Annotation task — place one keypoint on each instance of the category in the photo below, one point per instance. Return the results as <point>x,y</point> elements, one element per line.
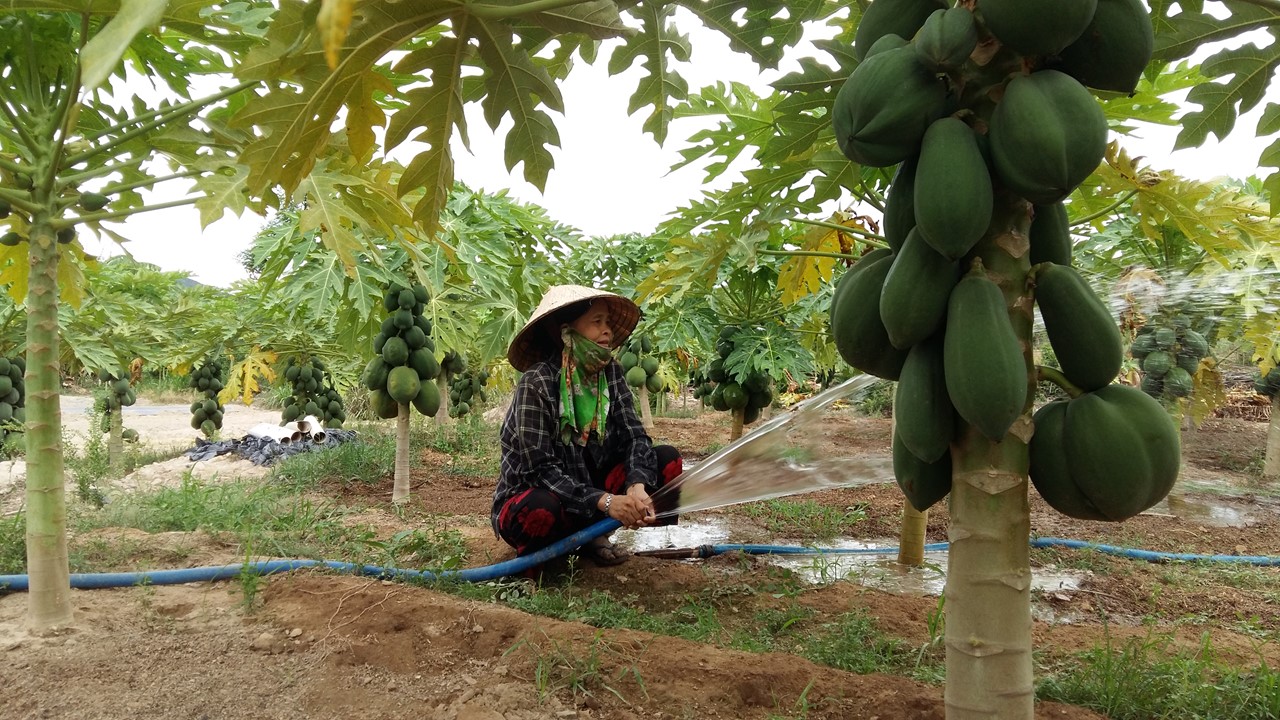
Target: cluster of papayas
<point>1269,384</point>
<point>1170,354</point>
<point>207,410</point>
<point>119,394</point>
<point>13,401</point>
<point>466,391</point>
<point>314,394</point>
<point>724,393</point>
<point>640,366</point>
<point>924,311</point>
<point>404,365</point>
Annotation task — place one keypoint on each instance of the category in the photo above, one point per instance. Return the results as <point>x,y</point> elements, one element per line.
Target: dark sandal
<point>605,553</point>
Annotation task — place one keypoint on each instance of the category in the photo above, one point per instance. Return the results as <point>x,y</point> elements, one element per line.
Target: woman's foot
<point>603,552</point>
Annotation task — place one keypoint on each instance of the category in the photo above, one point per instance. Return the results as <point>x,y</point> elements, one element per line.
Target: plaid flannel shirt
<point>533,455</point>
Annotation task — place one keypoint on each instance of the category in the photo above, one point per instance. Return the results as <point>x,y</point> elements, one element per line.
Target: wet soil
<point>319,645</point>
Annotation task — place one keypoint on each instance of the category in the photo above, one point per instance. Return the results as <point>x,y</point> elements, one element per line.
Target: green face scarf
<point>584,396</point>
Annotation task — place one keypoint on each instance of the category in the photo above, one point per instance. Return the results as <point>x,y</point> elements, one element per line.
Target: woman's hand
<point>639,492</point>
<point>631,511</point>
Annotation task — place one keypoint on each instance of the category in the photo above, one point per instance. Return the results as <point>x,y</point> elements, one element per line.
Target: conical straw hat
<point>525,350</point>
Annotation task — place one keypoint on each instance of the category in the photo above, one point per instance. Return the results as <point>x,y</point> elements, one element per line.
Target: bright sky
<point>609,177</point>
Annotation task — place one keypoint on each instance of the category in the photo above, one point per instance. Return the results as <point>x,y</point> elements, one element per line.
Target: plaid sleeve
<point>528,454</point>
<point>641,463</point>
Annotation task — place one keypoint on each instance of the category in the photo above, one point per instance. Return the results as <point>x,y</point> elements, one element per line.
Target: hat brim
<point>528,347</point>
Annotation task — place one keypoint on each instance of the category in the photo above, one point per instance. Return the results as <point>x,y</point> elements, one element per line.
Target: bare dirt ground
<point>318,645</point>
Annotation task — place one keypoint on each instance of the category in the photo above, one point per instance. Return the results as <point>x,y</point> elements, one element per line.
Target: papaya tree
<point>954,291</point>
<point>73,157</point>
<point>403,371</point>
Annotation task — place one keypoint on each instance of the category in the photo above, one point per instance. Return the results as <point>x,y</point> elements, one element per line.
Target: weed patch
<point>1148,678</point>
<point>805,519</point>
<point>13,545</point>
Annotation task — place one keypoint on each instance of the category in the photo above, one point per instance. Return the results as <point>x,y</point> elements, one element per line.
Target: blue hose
<point>93,581</point>
<point>1044,542</point>
<point>89,581</point>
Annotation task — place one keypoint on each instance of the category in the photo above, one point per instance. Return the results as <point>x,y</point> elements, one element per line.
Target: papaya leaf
<point>221,191</point>
<point>691,264</point>
<point>1250,69</point>
<point>597,19</point>
<point>657,47</point>
<point>516,86</point>
<point>103,52</point>
<point>760,28</point>
<point>769,349</point>
<point>1178,36</point>
<point>1208,393</point>
<point>800,276</point>
<point>437,109</point>
<point>244,378</point>
<point>333,21</point>
<point>364,114</point>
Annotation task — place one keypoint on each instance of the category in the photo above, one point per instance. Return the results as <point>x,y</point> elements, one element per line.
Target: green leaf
<point>597,19</point>
<point>103,52</point>
<point>222,190</point>
<point>763,29</point>
<point>435,110</point>
<point>516,86</point>
<point>657,46</point>
<point>1250,68</point>
<point>1182,34</point>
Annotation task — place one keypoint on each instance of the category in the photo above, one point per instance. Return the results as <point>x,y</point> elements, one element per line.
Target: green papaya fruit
<point>947,39</point>
<point>882,111</point>
<point>1050,235</point>
<point>1047,135</point>
<point>1037,27</point>
<point>402,384</point>
<point>1188,363</point>
<point>1049,467</point>
<point>1084,335</point>
<point>375,374</point>
<point>717,398</point>
<point>424,363</point>
<point>986,372</point>
<point>427,400</point>
<point>653,383</point>
<point>953,195</point>
<point>899,205</point>
<point>922,413</point>
<point>1157,364</point>
<point>628,360</point>
<point>922,483</point>
<point>636,376</point>
<point>1178,382</point>
<point>1152,385</point>
<point>913,300</point>
<point>92,201</point>
<point>395,352</point>
<point>1122,450</point>
<point>891,17</point>
<point>1195,344</point>
<point>734,396</point>
<point>650,365</point>
<point>1114,49</point>
<point>1166,337</point>
<point>382,404</point>
<point>856,328</point>
<point>10,239</point>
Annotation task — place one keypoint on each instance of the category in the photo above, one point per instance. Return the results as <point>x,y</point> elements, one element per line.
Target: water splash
<point>781,457</point>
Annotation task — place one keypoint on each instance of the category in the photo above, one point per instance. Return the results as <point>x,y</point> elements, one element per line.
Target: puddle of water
<point>880,571</point>
<point>1217,512</point>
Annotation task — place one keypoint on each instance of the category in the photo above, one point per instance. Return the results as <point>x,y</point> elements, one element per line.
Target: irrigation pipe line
<point>93,581</point>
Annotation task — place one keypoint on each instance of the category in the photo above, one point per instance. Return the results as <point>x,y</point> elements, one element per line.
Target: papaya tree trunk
<point>400,484</point>
<point>1271,465</point>
<point>646,415</point>
<point>49,599</point>
<point>115,443</point>
<point>988,590</point>
<point>735,431</point>
<point>442,414</point>
<point>911,539</point>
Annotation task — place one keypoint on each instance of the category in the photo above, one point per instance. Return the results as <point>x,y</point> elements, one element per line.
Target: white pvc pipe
<point>274,432</point>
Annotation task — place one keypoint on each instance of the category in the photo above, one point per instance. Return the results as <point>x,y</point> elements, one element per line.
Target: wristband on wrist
<point>608,500</point>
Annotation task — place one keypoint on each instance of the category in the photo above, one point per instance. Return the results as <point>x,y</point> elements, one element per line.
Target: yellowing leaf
<point>243,378</point>
<point>803,275</point>
<point>1207,392</point>
<point>364,114</point>
<point>333,21</point>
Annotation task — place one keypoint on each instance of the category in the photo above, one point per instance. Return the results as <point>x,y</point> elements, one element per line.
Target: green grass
<point>805,519</point>
<point>1150,679</point>
<point>272,518</point>
<point>13,545</point>
<point>559,666</point>
<point>369,458</point>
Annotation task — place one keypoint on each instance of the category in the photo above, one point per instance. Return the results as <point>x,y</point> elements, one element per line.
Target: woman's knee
<point>531,519</point>
<point>670,463</point>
